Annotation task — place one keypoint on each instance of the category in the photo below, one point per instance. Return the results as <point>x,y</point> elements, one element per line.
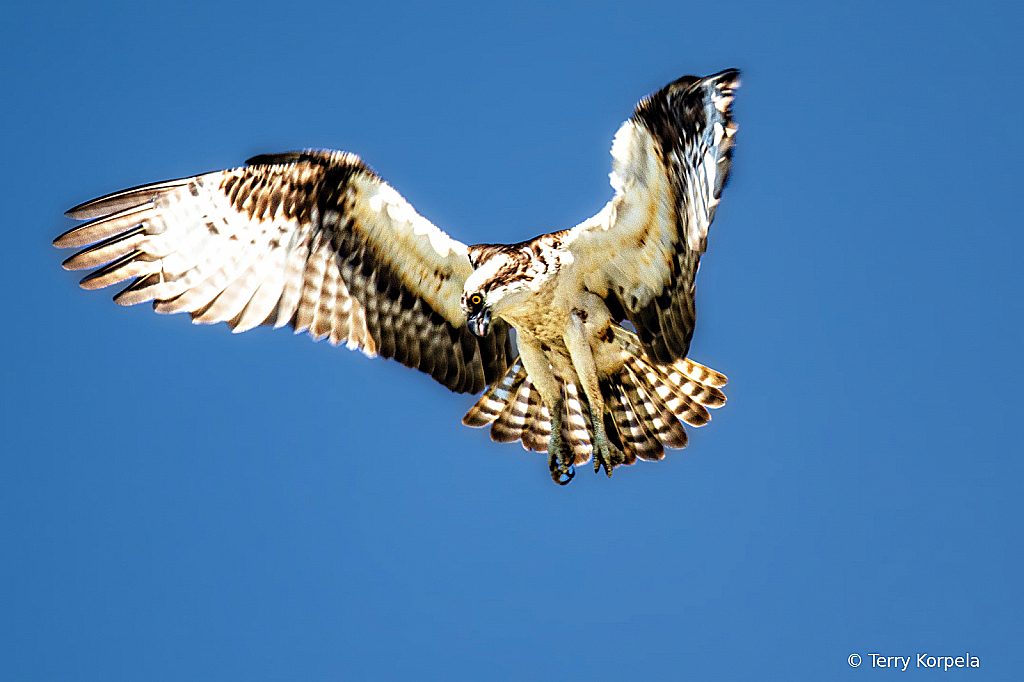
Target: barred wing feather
<point>315,240</point>
<point>641,252</point>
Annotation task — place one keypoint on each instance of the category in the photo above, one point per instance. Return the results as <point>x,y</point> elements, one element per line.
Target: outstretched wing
<point>641,252</point>
<point>312,239</point>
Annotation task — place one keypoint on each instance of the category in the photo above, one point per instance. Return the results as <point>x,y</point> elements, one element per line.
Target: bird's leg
<point>577,341</point>
<point>560,462</point>
<point>534,354</point>
<point>605,453</point>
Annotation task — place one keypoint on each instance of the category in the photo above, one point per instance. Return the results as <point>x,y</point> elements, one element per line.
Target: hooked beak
<point>479,322</point>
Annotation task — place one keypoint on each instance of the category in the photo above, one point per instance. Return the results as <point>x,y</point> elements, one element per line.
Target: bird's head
<point>478,314</point>
<point>501,279</point>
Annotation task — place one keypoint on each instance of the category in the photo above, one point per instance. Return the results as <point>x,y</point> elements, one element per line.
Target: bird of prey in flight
<point>318,241</point>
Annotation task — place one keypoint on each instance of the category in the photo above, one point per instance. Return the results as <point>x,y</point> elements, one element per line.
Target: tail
<point>644,405</point>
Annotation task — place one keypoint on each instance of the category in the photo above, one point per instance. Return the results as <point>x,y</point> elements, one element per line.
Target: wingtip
<point>98,207</point>
<point>729,77</point>
<point>79,212</point>
<point>132,197</point>
<point>66,240</point>
<point>90,283</point>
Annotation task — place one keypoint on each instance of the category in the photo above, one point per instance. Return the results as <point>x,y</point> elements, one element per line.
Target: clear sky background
<point>178,502</point>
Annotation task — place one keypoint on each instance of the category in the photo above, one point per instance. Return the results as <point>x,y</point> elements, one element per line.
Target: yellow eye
<point>476,299</point>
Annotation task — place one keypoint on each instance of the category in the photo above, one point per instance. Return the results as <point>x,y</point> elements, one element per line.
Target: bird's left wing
<point>641,252</point>
<point>313,239</point>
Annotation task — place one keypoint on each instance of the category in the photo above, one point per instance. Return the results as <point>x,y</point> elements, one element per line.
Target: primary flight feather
<point>318,241</point>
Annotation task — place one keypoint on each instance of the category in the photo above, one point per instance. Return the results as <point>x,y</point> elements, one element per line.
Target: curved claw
<point>560,463</point>
<point>562,477</point>
<point>562,470</point>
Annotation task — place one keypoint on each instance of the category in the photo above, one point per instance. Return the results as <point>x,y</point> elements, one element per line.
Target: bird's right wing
<point>641,252</point>
<point>315,240</point>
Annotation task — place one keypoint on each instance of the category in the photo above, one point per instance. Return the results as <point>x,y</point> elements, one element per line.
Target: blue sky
<point>182,503</point>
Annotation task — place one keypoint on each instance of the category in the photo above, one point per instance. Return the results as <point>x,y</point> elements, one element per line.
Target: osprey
<point>318,241</point>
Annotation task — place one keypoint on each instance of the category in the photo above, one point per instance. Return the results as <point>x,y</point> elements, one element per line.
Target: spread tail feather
<point>644,405</point>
